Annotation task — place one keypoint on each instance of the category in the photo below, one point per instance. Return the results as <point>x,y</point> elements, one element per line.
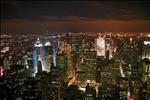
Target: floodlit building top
<point>38,43</point>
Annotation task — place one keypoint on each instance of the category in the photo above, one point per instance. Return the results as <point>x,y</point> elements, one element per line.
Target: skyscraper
<point>55,51</point>
<point>100,45</point>
<point>48,55</point>
<point>146,60</point>
<point>38,54</point>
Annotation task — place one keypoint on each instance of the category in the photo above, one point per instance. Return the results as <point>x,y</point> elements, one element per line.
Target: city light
<point>38,43</point>
<point>1,71</point>
<point>100,46</point>
<point>35,61</point>
<point>75,50</point>
<point>55,48</point>
<point>146,42</point>
<point>90,67</point>
<point>121,70</point>
<point>47,44</point>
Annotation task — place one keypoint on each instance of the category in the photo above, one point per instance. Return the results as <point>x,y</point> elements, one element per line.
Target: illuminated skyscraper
<point>48,55</point>
<point>108,47</point>
<point>90,62</point>
<point>100,45</point>
<point>64,57</point>
<point>38,54</point>
<point>55,51</point>
<point>146,50</point>
<point>146,60</point>
<point>35,61</point>
<point>62,61</point>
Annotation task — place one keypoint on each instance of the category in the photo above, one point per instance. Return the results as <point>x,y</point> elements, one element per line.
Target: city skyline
<point>75,50</point>
<point>74,16</point>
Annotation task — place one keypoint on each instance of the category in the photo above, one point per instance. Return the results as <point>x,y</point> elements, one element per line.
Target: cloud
<point>66,18</point>
<point>31,10</point>
<point>74,23</point>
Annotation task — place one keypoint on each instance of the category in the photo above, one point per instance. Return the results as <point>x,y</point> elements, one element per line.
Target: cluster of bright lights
<point>148,35</point>
<point>5,49</point>
<point>38,43</point>
<point>47,44</point>
<point>82,89</point>
<point>100,46</point>
<point>146,42</point>
<point>146,53</point>
<point>1,71</point>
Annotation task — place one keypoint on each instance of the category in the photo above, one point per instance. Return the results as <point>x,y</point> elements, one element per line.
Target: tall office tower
<point>38,54</point>
<point>75,45</point>
<point>35,58</point>
<point>87,70</point>
<point>55,51</point>
<point>48,55</point>
<point>146,66</point>
<point>65,55</point>
<point>90,62</point>
<point>109,46</point>
<point>146,50</point>
<point>146,60</point>
<point>100,46</point>
<point>62,61</point>
<point>75,41</point>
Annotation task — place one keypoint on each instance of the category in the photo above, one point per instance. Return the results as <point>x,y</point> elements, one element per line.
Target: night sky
<point>74,16</point>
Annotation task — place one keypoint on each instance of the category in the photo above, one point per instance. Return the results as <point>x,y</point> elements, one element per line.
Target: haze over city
<point>74,16</point>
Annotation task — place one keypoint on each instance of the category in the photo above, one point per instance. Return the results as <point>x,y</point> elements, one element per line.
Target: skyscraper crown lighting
<point>47,44</point>
<point>38,43</point>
